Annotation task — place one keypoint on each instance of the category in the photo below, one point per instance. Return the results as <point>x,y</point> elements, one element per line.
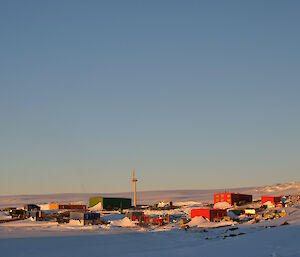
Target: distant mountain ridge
<point>146,197</point>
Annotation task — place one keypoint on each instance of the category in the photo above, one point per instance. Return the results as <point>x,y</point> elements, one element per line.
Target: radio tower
<point>134,180</point>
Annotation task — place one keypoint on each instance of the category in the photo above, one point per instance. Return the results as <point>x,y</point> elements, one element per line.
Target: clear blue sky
<point>192,94</point>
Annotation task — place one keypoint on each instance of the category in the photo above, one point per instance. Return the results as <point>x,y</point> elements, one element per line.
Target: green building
<point>110,203</point>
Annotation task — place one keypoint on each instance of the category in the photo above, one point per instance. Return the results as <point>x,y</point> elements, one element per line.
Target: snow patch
<point>75,223</point>
<point>97,207</point>
<point>222,205</point>
<point>123,223</point>
<point>4,216</point>
<point>201,222</point>
<point>44,207</point>
<point>113,216</point>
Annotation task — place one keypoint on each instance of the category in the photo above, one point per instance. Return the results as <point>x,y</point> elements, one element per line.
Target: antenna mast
<point>134,180</point>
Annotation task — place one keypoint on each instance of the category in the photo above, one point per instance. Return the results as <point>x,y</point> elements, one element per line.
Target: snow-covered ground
<point>122,237</point>
<point>249,240</point>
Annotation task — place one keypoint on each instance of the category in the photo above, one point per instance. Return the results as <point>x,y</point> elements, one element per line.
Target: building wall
<point>95,200</point>
<point>116,203</point>
<point>111,203</point>
<point>31,207</point>
<point>209,214</point>
<point>272,199</point>
<point>222,197</point>
<point>232,198</point>
<point>240,198</point>
<point>200,212</point>
<point>56,206</point>
<point>217,213</point>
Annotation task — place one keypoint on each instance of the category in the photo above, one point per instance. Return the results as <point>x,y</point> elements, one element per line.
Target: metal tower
<point>134,180</point>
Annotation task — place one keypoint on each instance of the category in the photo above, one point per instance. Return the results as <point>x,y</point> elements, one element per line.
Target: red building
<point>210,214</point>
<point>272,199</point>
<point>232,198</point>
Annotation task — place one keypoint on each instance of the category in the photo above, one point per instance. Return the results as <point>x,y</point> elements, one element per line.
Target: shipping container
<point>155,220</point>
<point>250,211</point>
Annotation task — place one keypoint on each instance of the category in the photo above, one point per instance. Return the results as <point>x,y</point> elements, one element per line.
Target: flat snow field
<point>274,242</point>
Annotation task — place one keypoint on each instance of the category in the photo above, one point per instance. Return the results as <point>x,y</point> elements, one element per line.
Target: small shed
<point>17,213</point>
<point>31,207</point>
<point>36,215</point>
<point>134,215</point>
<point>85,218</point>
<point>163,204</point>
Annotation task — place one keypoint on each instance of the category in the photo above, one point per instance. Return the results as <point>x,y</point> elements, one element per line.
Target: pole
<point>134,180</point>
